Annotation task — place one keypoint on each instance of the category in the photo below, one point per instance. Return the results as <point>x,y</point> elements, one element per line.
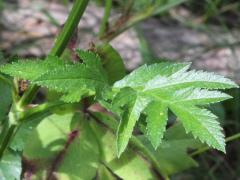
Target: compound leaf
<point>75,80</point>
<point>166,86</point>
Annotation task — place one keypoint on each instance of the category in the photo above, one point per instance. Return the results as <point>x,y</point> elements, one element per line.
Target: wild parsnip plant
<point>101,122</point>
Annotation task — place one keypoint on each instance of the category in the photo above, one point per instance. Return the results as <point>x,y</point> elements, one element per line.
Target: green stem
<point>131,22</point>
<point>28,96</point>
<point>47,109</point>
<point>146,13</point>
<point>61,43</point>
<point>103,25</point>
<point>7,138</point>
<point>206,148</point>
<point>71,24</point>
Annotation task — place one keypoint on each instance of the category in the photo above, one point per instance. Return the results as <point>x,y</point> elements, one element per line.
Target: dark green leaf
<point>112,62</point>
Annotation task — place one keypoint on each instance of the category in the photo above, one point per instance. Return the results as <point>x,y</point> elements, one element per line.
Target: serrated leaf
<point>31,69</point>
<point>145,73</point>
<point>198,96</point>
<point>177,89</point>
<point>90,58</point>
<point>72,77</point>
<point>157,115</point>
<point>196,79</point>
<point>73,96</point>
<point>65,77</point>
<point>202,124</point>
<point>128,121</point>
<point>193,96</point>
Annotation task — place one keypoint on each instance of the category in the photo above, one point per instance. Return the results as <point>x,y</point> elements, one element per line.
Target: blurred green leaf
<point>62,146</point>
<point>172,154</point>
<point>24,132</point>
<point>105,174</point>
<point>10,166</point>
<point>129,166</point>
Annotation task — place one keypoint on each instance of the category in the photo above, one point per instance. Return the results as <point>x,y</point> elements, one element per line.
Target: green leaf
<point>112,62</point>
<point>6,99</point>
<point>129,166</point>
<point>24,131</point>
<point>32,69</point>
<point>157,115</point>
<point>73,96</point>
<point>10,166</point>
<point>140,76</point>
<point>202,123</point>
<point>104,174</point>
<point>169,156</point>
<point>62,146</point>
<point>90,58</point>
<point>86,78</point>
<point>136,104</point>
<point>72,78</point>
<point>198,96</point>
<point>196,79</point>
<point>156,88</point>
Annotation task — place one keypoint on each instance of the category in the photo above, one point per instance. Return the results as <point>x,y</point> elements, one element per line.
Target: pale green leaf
<point>10,166</point>
<point>177,89</point>
<point>198,96</point>
<point>201,123</point>
<point>194,96</point>
<point>128,121</point>
<point>196,79</point>
<point>157,115</point>
<point>145,73</point>
<point>31,69</point>
<point>71,77</point>
<point>63,76</point>
<point>104,174</point>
